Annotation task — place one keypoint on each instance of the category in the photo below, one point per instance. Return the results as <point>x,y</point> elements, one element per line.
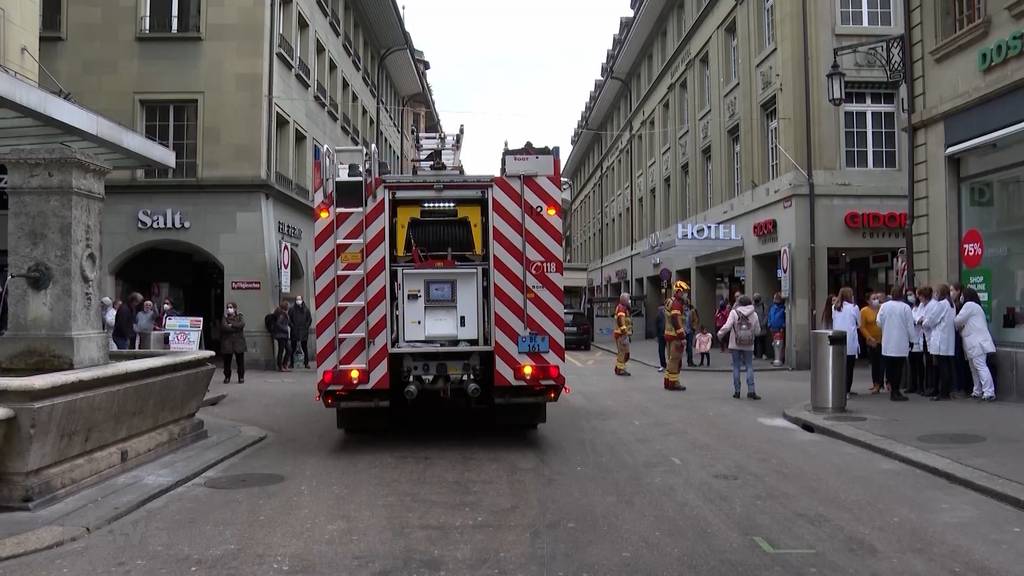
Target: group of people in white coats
<point>920,328</point>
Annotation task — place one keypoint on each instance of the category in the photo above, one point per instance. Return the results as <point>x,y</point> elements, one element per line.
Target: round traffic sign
<point>286,256</point>
<point>784,260</point>
<point>665,274</point>
<point>972,248</point>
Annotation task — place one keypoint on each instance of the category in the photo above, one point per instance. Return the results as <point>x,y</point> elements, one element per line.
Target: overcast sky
<point>512,71</point>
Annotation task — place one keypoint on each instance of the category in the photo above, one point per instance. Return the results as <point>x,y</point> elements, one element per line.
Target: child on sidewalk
<point>703,345</point>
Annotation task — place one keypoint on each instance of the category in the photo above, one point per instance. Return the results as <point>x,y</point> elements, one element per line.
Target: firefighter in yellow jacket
<point>675,335</point>
<point>623,330</point>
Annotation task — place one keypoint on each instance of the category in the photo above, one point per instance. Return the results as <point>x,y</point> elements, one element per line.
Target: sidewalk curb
<point>984,483</point>
<point>724,369</point>
<point>134,495</point>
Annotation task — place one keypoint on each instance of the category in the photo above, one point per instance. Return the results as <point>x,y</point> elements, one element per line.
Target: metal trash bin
<point>828,370</point>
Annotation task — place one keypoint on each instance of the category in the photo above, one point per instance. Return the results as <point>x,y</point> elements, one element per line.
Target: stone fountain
<point>69,416</point>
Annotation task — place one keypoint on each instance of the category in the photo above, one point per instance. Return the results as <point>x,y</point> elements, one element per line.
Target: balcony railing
<point>346,43</point>
<point>302,70</point>
<point>284,48</point>
<point>301,191</point>
<point>346,122</point>
<point>357,60</point>
<point>324,7</point>
<point>336,21</point>
<point>166,24</point>
<point>332,107</point>
<point>320,93</point>
<point>283,181</point>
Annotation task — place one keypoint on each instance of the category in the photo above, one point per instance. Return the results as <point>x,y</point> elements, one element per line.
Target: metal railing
<point>335,21</point>
<point>324,7</point>
<point>302,69</point>
<point>345,120</point>
<point>320,92</point>
<point>346,43</point>
<point>332,106</point>
<point>301,190</point>
<point>285,47</point>
<point>167,25</point>
<point>283,181</point>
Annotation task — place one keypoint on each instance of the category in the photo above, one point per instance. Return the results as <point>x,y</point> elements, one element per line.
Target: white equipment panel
<point>440,304</point>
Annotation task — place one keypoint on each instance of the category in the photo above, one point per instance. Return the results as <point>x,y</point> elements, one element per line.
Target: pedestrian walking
<point>622,332</point>
<point>777,324</point>
<point>145,322</point>
<point>978,344</point>
<point>675,335</point>
<point>761,342</point>
<point>704,345</point>
<point>721,317</point>
<point>232,341</point>
<point>691,320</point>
<point>896,320</point>
<point>872,334</point>
<point>108,314</point>
<point>916,385</point>
<point>846,317</point>
<point>742,327</point>
<point>660,322</point>
<point>124,322</point>
<point>940,331</point>
<point>925,295</point>
<point>963,380</point>
<point>280,330</point>
<point>299,320</point>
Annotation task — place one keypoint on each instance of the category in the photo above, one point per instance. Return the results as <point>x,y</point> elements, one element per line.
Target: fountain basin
<point>62,431</point>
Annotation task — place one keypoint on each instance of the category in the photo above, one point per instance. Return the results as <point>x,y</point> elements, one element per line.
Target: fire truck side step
<point>350,304</point>
<point>348,210</point>
<point>359,335</point>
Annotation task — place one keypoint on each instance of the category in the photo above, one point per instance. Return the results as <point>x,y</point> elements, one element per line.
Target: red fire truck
<point>439,285</point>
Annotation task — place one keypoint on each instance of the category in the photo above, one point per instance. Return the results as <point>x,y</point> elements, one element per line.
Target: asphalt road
<point>625,478</point>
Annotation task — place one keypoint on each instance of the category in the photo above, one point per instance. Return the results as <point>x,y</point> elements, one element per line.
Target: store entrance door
<point>865,270</point>
<point>192,278</point>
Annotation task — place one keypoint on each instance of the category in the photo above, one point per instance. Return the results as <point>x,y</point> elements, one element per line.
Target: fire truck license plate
<point>533,343</point>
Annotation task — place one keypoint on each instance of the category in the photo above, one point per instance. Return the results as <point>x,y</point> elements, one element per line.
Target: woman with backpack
<point>743,327</point>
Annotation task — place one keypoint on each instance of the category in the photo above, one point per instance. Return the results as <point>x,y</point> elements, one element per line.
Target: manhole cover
<point>951,439</point>
<point>846,418</point>
<point>239,481</point>
<point>730,477</point>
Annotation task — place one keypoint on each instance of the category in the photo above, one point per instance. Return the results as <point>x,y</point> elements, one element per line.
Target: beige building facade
<point>969,162</point>
<point>195,75</point>
<point>692,156</point>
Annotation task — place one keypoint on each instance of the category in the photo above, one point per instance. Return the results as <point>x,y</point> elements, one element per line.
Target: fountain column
<point>54,220</point>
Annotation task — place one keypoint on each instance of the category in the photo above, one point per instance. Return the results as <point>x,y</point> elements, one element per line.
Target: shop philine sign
<point>708,232</point>
<point>162,220</point>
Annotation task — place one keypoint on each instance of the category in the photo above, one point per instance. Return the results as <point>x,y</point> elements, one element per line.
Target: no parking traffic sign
<point>786,265</point>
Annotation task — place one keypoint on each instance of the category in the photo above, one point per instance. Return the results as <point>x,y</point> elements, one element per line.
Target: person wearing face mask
<point>168,311</point>
<point>941,333</point>
<point>846,317</point>
<point>872,334</point>
<point>973,327</point>
<point>915,359</point>
<point>898,330</point>
<point>300,319</point>
<point>963,381</point>
<point>232,341</point>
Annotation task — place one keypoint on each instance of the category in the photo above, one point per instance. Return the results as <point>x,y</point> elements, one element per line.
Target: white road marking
<point>573,360</point>
<point>778,423</point>
<point>676,460</point>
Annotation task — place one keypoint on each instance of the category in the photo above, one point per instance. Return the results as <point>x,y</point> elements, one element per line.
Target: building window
<point>681,20</point>
<point>302,48</point>
<point>684,192</point>
<point>51,19</point>
<point>869,129</point>
<point>684,109</point>
<point>332,85</point>
<point>320,79</point>
<point>732,61</point>
<point>708,179</point>
<point>768,21</point>
<point>705,82</point>
<point>282,151</point>
<point>666,200</point>
<point>667,134</point>
<point>170,17</point>
<point>865,12</point>
<point>959,15</point>
<point>737,168</point>
<point>302,163</point>
<point>664,45</point>
<point>771,121</point>
<point>176,126</point>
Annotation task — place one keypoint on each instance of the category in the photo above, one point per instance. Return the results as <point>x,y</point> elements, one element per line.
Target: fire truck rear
<point>440,286</point>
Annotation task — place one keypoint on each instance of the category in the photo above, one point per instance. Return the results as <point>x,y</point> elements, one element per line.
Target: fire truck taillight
<point>531,373</point>
<point>328,377</point>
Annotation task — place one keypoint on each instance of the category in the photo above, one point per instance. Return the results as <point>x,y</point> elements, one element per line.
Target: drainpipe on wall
<point>270,94</point>
<point>812,272</point>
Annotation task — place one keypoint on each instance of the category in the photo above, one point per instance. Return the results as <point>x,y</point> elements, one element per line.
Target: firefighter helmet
<point>682,286</point>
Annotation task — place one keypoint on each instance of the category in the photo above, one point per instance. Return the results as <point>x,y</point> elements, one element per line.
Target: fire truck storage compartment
<point>439,229</point>
<point>441,305</point>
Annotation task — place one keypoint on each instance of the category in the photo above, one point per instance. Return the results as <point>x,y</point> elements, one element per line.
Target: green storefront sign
<point>981,280</point>
<point>1001,51</point>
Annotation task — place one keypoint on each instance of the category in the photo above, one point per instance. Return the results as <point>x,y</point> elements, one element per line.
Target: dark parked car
<point>577,330</point>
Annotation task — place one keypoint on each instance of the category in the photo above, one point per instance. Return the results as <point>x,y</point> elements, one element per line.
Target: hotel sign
<point>707,232</point>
